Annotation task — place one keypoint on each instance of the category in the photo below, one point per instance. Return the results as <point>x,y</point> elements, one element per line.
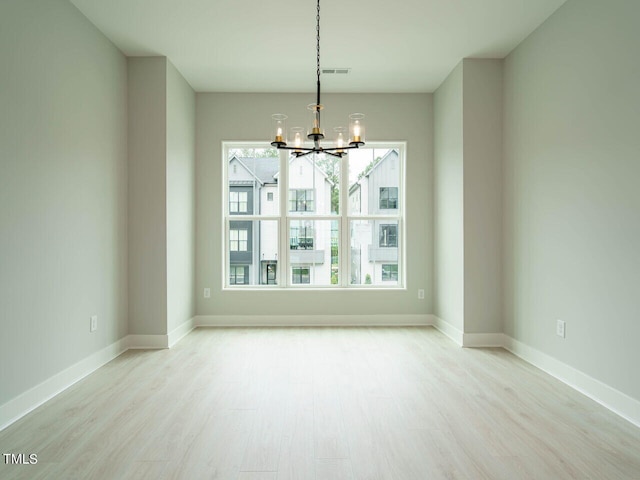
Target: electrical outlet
<point>93,325</point>
<point>560,328</point>
<point>421,294</point>
<point>207,293</point>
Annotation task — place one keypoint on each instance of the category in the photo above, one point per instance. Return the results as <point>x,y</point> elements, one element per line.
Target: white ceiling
<point>269,46</point>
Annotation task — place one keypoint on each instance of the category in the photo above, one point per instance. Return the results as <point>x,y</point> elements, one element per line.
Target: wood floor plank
<point>333,469</point>
<point>321,403</point>
<point>297,456</point>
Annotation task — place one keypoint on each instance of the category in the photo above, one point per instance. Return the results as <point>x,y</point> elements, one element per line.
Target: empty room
<point>319,240</point>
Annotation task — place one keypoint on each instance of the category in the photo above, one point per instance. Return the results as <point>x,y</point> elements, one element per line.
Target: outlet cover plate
<point>560,328</point>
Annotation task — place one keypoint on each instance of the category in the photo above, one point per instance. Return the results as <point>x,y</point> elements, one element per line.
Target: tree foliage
<point>369,167</point>
<point>253,152</point>
<point>331,167</point>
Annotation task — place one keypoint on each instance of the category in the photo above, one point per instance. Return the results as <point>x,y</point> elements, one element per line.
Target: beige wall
<point>161,197</point>
<point>63,191</point>
<point>405,117</point>
<point>482,126</point>
<point>448,200</point>
<point>571,196</point>
<point>181,199</point>
<point>147,195</point>
<point>468,199</point>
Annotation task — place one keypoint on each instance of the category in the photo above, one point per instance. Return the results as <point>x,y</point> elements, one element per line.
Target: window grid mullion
<point>344,254</point>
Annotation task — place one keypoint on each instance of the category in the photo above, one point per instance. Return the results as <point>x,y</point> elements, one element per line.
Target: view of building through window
<point>285,223</point>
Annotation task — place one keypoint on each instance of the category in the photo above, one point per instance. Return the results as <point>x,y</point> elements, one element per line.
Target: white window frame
<point>284,218</point>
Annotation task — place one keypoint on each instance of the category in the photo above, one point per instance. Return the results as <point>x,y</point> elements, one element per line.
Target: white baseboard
<point>24,403</point>
<point>475,340</point>
<point>449,330</point>
<point>607,396</point>
<point>147,342</point>
<point>616,401</point>
<point>312,320</point>
<point>180,332</point>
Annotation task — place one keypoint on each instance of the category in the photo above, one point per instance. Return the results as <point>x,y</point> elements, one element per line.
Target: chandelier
<point>316,133</point>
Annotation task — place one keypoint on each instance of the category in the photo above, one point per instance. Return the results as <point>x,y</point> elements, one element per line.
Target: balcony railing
<point>301,243</point>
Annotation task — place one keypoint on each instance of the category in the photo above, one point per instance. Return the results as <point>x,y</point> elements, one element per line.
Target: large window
<point>313,221</point>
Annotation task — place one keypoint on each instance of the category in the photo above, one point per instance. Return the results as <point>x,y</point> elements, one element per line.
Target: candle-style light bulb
<point>340,142</point>
<point>279,129</point>
<point>356,131</point>
<point>297,138</point>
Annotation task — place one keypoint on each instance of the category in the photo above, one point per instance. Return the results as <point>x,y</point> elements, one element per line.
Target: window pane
<point>374,247</point>
<point>314,184</point>
<point>252,177</point>
<point>253,245</point>
<point>313,252</point>
<point>374,181</point>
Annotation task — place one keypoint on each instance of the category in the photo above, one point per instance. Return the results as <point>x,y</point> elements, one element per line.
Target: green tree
<point>253,152</point>
<point>331,167</point>
<point>369,167</point>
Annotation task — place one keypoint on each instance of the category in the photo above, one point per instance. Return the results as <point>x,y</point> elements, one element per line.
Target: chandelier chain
<point>316,133</point>
<point>318,43</point>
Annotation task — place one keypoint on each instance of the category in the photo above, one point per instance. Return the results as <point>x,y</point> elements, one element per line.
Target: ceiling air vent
<point>336,71</point>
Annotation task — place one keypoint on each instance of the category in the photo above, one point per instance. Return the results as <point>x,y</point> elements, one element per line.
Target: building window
<point>390,272</point>
<point>301,200</point>
<point>388,198</point>
<point>388,235</point>
<point>323,221</point>
<point>271,274</point>
<point>301,236</point>
<point>238,240</point>
<point>238,202</point>
<point>300,275</point>
<point>238,275</point>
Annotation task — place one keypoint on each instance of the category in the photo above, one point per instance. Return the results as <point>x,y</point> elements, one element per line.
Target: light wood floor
<point>321,403</point>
